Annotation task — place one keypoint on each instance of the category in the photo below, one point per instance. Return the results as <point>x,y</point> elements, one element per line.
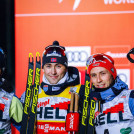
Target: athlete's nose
<point>99,78</point>
<point>53,70</point>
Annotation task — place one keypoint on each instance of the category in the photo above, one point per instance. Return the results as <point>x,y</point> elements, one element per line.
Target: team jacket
<point>10,112</point>
<point>5,101</point>
<point>11,108</point>
<point>53,104</point>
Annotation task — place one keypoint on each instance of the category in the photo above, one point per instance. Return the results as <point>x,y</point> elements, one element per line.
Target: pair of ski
<point>31,96</point>
<point>88,110</point>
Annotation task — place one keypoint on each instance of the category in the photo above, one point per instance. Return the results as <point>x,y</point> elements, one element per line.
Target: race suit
<point>53,104</point>
<point>116,116</point>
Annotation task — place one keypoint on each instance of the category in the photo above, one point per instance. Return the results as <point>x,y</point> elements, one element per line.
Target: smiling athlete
<point>115,114</point>
<point>59,80</point>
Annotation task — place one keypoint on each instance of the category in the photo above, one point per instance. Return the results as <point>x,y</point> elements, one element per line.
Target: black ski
<point>84,117</point>
<point>31,96</point>
<point>28,95</point>
<point>33,110</point>
<point>91,116</point>
<point>88,111</point>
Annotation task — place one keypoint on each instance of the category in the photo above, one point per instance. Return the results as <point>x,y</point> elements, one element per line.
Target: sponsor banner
<point>118,53</point>
<point>77,56</point>
<point>124,75</point>
<point>30,7</point>
<point>73,23</point>
<point>118,2</point>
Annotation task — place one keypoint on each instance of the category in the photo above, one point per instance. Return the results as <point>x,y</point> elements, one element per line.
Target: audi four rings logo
<point>124,75</point>
<point>77,56</point>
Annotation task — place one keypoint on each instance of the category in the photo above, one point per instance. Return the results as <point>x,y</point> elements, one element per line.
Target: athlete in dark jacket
<point>58,81</point>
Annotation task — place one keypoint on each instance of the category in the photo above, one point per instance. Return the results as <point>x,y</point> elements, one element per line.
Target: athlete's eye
<point>93,75</point>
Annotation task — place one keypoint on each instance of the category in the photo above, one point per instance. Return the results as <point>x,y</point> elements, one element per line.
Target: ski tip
<point>30,54</point>
<point>30,57</point>
<point>37,54</point>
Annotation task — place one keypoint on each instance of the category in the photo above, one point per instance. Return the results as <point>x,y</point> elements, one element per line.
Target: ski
<point>33,109</point>
<point>88,110</point>
<point>85,109</point>
<point>91,116</point>
<point>28,94</point>
<point>31,96</point>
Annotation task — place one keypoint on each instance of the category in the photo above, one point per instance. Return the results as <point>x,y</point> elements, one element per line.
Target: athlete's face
<point>101,77</point>
<point>54,72</point>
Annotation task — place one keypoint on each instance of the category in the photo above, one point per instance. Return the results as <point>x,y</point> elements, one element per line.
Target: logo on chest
<point>111,115</point>
<point>47,110</point>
